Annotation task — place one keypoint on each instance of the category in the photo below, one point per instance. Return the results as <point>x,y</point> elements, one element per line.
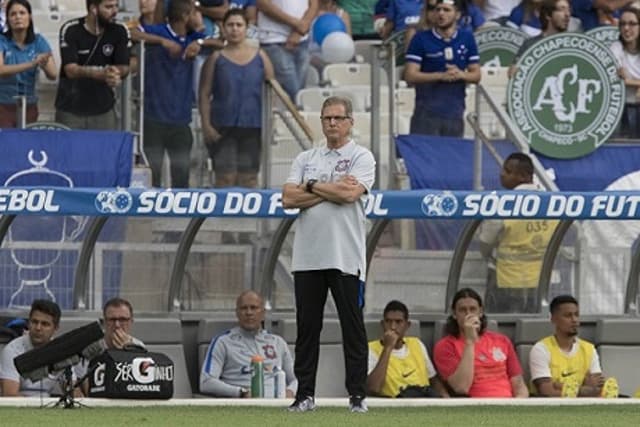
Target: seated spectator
<point>627,51</point>
<point>44,319</point>
<point>474,361</point>
<point>563,365</point>
<point>22,54</point>
<point>526,17</point>
<point>226,371</point>
<point>399,366</point>
<point>118,319</point>
<point>427,21</point>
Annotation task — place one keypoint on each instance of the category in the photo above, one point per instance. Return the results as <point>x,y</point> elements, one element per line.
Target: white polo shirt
<point>330,235</point>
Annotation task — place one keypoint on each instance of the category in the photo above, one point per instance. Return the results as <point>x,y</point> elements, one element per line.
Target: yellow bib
<point>564,367</point>
<point>520,252</point>
<point>411,370</point>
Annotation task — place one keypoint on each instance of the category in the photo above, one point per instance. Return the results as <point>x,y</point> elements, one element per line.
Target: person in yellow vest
<point>514,269</point>
<point>399,366</point>
<point>563,365</point>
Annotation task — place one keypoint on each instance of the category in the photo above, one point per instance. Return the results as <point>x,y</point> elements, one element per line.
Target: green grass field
<point>529,416</point>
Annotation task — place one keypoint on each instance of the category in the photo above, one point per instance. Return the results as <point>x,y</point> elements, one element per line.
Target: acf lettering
<point>555,88</point>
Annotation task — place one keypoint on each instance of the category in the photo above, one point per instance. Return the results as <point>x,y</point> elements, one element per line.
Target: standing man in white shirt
<point>283,28</point>
<point>329,185</point>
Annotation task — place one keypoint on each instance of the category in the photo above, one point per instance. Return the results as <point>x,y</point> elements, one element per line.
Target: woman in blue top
<point>230,103</point>
<point>22,52</point>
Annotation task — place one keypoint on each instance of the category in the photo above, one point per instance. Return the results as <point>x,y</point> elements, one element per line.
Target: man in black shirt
<point>95,58</point>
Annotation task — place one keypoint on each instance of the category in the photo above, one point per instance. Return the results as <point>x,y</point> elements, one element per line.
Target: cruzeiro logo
<point>498,46</point>
<point>566,96</point>
<point>118,201</point>
<point>443,204</point>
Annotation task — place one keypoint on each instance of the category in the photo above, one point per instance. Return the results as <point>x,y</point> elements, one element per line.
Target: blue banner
<point>238,202</point>
<point>65,158</point>
<point>61,159</point>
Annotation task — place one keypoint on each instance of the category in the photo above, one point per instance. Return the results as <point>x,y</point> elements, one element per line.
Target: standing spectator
<point>593,13</point>
<point>283,27</point>
<point>563,365</point>
<point>230,102</point>
<point>555,16</point>
<point>399,366</point>
<point>95,58</point>
<point>519,246</point>
<point>22,54</point>
<point>362,17</point>
<point>496,10</point>
<point>526,17</point>
<point>169,94</point>
<point>329,185</point>
<point>474,361</point>
<point>427,21</point>
<point>226,371</point>
<point>627,51</point>
<point>440,63</point>
<point>400,15</point>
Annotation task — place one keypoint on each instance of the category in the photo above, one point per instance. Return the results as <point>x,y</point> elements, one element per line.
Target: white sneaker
<point>306,404</point>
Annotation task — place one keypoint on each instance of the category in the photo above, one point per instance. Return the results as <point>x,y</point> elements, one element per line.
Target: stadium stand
<point>618,344</point>
<point>528,332</point>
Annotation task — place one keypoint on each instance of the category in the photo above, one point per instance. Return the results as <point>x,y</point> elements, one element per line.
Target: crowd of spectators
<point>97,53</point>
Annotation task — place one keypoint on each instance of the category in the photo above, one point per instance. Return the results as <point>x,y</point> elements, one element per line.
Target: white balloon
<point>338,47</point>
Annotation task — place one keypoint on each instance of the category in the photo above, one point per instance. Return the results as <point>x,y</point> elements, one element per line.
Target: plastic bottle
<point>257,376</point>
<point>280,383</point>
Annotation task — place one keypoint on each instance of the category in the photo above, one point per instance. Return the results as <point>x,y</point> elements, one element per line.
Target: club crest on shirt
<point>498,355</point>
<point>269,351</point>
<point>342,165</point>
<point>107,49</point>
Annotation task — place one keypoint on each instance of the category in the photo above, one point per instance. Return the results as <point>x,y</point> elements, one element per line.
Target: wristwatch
<point>310,185</point>
<point>200,41</point>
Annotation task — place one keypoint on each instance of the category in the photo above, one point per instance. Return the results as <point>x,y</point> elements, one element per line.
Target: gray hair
<point>339,100</point>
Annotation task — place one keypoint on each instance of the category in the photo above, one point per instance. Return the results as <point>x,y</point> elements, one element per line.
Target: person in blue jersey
<point>400,15</point>
<point>168,91</point>
<point>440,63</point>
<point>230,104</point>
<point>526,17</point>
<point>594,13</point>
<point>22,54</point>
<point>94,52</point>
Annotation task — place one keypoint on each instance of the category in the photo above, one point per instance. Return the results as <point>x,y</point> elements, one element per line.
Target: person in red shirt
<point>473,361</point>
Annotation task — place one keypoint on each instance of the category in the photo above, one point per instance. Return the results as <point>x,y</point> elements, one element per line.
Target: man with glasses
<point>118,318</point>
<point>44,319</point>
<point>329,184</point>
<point>440,63</point>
